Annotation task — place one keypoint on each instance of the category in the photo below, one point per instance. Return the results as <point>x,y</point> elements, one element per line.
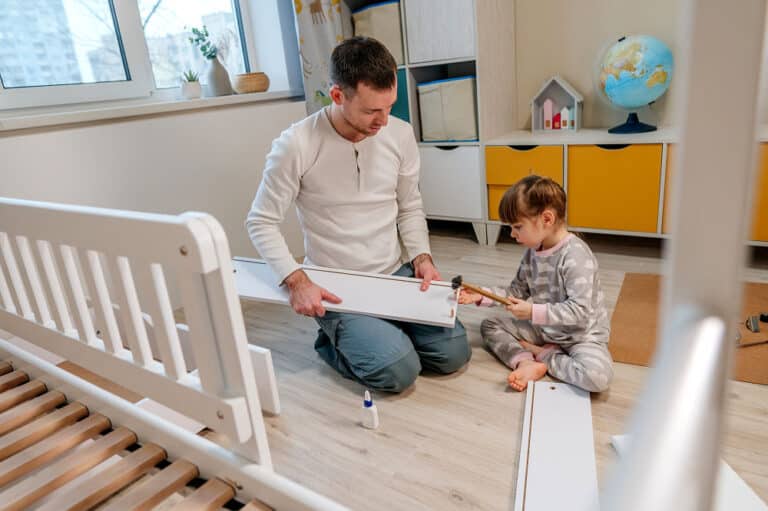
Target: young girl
<point>564,328</point>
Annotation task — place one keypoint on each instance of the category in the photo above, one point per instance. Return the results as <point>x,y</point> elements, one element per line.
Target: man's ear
<point>337,95</point>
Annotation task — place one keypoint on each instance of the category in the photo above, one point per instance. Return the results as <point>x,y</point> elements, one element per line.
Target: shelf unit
<point>441,40</point>
<point>616,184</point>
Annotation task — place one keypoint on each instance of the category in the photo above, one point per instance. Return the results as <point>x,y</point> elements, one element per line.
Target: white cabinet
<point>451,182</point>
<point>440,29</point>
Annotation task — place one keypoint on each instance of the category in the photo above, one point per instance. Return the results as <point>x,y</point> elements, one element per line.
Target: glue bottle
<point>370,417</point>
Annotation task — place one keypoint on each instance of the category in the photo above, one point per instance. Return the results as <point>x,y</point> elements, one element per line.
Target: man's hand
<point>520,308</point>
<point>306,296</point>
<point>424,269</point>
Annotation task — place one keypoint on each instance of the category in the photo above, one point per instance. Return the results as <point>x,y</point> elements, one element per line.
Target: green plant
<point>190,76</point>
<point>200,38</point>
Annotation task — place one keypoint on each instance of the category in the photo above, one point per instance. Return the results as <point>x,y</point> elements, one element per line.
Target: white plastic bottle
<point>370,417</point>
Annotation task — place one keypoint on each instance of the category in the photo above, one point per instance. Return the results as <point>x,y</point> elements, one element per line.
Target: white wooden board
<point>384,296</point>
<point>731,491</point>
<point>556,469</point>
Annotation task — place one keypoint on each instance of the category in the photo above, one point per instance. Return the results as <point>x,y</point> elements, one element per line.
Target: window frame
<point>142,86</point>
<point>140,82</point>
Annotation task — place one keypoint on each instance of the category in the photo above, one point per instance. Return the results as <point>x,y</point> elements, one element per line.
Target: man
<point>353,173</point>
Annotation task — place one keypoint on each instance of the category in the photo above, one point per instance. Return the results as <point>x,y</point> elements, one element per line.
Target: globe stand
<point>632,125</point>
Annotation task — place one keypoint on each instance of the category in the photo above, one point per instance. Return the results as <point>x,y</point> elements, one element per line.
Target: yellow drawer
<point>505,165</point>
<point>760,208</point>
<point>495,193</point>
<point>614,187</point>
<point>665,219</point>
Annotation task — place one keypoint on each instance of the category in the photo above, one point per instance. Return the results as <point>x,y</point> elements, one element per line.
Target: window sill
<point>11,120</point>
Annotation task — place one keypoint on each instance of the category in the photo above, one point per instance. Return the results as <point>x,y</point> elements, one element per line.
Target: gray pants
<point>585,364</point>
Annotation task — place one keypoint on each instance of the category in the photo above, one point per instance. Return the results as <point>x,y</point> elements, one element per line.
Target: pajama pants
<point>586,364</point>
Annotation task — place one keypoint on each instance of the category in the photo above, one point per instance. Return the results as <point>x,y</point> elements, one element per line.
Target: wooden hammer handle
<point>483,292</point>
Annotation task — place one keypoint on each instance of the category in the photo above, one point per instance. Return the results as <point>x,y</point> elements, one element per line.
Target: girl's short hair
<point>530,197</point>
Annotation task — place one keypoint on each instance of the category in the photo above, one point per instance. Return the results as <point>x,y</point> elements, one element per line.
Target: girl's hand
<point>520,308</point>
<point>466,297</point>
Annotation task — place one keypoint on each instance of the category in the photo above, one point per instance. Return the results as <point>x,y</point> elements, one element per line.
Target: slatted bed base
<point>57,455</point>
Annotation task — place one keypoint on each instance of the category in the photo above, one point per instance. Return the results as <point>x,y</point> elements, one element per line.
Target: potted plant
<point>216,74</point>
<point>190,85</point>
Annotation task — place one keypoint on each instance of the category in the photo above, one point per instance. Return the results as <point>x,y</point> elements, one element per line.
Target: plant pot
<point>218,79</point>
<point>191,90</point>
<point>251,82</point>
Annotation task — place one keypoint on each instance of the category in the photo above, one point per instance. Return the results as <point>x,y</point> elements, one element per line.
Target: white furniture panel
<point>384,296</point>
<point>440,29</point>
<point>451,181</point>
<point>556,469</point>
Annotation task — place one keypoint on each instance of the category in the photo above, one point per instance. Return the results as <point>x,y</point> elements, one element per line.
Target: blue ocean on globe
<point>635,71</point>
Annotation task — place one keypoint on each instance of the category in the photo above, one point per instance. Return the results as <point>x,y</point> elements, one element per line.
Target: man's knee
<point>395,377</point>
<point>453,354</point>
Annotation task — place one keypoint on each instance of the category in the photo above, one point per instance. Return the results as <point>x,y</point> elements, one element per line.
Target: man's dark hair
<point>362,59</point>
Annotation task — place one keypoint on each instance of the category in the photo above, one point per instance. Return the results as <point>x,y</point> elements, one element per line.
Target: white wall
<point>206,160</point>
<point>566,37</point>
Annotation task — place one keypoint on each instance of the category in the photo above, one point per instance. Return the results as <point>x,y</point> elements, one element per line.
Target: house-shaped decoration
<point>557,106</point>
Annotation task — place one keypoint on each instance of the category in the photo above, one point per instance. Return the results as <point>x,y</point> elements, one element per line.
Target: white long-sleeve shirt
<point>352,198</point>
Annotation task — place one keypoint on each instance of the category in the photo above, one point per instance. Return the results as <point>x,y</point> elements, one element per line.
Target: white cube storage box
<point>381,21</point>
<point>447,110</point>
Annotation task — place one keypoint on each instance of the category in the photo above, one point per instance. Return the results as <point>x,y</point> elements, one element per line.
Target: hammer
<point>457,282</point>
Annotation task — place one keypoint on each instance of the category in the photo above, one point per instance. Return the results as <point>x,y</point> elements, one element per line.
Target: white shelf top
<point>583,136</point>
<point>595,136</point>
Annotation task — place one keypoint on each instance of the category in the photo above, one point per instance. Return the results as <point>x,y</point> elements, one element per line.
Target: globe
<point>634,72</point>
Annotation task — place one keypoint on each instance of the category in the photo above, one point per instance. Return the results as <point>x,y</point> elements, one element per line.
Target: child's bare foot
<point>527,370</point>
<point>533,348</point>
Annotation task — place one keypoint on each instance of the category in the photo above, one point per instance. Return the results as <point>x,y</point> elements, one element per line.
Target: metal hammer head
<point>456,282</point>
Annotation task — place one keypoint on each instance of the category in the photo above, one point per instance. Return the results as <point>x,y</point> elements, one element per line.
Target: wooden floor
<point>452,442</point>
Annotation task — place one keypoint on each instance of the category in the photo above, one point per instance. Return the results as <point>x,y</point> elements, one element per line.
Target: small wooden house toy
<point>557,106</point>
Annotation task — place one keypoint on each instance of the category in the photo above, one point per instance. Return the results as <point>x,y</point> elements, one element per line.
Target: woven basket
<point>251,82</point>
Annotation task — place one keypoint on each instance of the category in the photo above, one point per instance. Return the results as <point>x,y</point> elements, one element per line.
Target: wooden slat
<point>255,505</point>
<point>102,303</point>
<point>5,367</point>
<point>17,283</point>
<point>32,489</point>
<point>210,496</point>
<point>53,283</point>
<point>40,303</point>
<point>11,380</point>
<point>104,484</point>
<point>160,486</point>
<point>11,398</point>
<point>130,312</point>
<point>18,415</point>
<point>27,435</point>
<point>41,453</point>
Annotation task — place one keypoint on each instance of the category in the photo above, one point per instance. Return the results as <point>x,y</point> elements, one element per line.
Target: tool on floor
<point>748,344</point>
<point>458,281</point>
<point>753,323</point>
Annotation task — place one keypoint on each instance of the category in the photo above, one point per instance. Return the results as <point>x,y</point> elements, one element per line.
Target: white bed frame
<point>92,285</point>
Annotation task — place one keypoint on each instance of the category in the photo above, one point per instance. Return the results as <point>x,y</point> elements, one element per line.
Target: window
<point>167,25</point>
<point>71,50</point>
<point>55,52</point>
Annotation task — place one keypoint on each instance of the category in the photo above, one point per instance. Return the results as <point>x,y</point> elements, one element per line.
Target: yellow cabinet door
<point>506,165</point>
<point>760,201</point>
<point>614,187</point>
<point>760,210</point>
<point>665,219</point>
